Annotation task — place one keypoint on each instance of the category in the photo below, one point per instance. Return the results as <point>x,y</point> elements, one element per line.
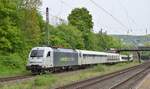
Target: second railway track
<point>131,82</point>
<point>117,80</point>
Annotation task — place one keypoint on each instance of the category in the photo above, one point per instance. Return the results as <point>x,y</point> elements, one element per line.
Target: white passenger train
<point>126,58</point>
<point>47,58</point>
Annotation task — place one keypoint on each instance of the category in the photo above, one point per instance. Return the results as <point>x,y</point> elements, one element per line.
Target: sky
<point>133,14</point>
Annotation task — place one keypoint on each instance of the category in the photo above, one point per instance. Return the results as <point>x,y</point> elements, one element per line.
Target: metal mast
<point>47,23</point>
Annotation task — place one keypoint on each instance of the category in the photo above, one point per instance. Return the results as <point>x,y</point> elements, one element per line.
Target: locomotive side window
<point>48,54</point>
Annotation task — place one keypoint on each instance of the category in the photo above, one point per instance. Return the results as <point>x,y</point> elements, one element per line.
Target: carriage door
<point>80,58</point>
<point>48,58</point>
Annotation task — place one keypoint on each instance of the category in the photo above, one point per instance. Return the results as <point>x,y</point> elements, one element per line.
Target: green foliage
<point>66,36</point>
<point>11,64</point>
<point>90,41</point>
<point>20,30</point>
<point>106,42</point>
<point>11,61</point>
<point>81,18</point>
<point>10,35</point>
<point>31,25</point>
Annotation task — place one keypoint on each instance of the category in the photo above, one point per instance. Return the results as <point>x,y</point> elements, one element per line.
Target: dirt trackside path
<point>145,84</point>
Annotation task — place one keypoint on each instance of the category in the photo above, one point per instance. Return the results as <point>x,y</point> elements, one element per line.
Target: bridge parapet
<point>130,49</point>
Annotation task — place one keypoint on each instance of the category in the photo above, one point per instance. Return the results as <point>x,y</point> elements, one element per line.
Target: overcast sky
<point>134,14</point>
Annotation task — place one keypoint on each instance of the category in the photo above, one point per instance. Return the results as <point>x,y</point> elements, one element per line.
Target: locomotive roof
<point>92,52</point>
<point>41,48</point>
<point>64,50</point>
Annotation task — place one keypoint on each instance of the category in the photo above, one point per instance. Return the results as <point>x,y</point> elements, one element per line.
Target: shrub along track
<point>123,79</point>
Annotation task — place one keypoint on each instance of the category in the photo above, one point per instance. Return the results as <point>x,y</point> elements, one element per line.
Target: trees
<point>31,21</point>
<point>81,18</point>
<point>66,36</point>
<point>20,24</point>
<point>106,42</point>
<point>20,29</point>
<point>10,34</point>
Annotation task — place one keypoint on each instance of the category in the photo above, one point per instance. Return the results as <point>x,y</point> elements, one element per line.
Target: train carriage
<point>92,57</point>
<point>125,58</point>
<point>113,57</point>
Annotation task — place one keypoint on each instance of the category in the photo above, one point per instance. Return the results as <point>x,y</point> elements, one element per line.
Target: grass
<point>44,80</point>
<point>52,80</point>
<point>40,82</point>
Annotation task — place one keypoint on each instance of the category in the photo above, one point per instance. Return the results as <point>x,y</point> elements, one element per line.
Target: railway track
<point>123,79</point>
<point>20,77</point>
<point>7,79</point>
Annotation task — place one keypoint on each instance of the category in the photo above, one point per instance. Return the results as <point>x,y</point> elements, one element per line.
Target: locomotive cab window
<point>48,54</point>
<point>37,53</point>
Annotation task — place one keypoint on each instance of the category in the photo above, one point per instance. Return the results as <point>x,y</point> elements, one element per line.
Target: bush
<point>11,64</point>
<point>11,60</point>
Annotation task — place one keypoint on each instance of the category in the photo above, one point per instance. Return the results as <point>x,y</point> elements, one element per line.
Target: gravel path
<point>145,84</point>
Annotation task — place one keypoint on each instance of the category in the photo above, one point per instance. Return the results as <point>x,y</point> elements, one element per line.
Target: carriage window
<point>48,54</point>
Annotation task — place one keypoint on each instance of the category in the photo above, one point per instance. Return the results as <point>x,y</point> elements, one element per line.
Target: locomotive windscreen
<point>37,53</point>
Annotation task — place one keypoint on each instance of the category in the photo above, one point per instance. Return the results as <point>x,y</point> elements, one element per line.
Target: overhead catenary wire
<point>126,11</point>
<point>127,15</point>
<point>61,8</point>
<point>103,9</point>
<point>56,17</point>
<point>63,2</point>
<point>129,18</point>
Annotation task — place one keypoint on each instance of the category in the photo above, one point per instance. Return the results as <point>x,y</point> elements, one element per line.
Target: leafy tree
<point>81,18</point>
<point>90,42</point>
<point>106,42</point>
<point>10,35</point>
<point>66,36</point>
<point>31,22</point>
<point>20,29</point>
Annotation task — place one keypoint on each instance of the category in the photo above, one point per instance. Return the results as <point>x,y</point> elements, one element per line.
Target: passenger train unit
<point>43,59</point>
